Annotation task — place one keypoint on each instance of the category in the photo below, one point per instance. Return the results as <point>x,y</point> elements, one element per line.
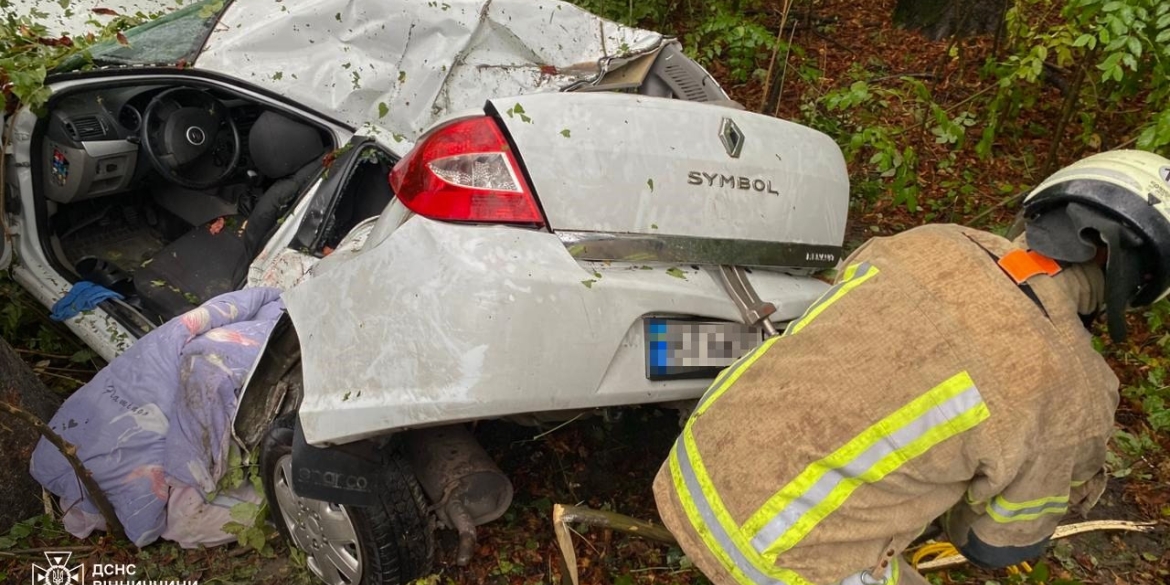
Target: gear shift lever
<point>251,193</point>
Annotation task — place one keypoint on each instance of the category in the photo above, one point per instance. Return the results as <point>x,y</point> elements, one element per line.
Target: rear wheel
<point>388,543</point>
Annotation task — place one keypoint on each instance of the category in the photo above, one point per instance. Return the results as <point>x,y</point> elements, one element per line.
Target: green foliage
<point>651,13</point>
<point>853,116</point>
<point>948,130</point>
<point>719,32</point>
<point>1124,46</point>
<point>727,36</point>
<point>25,324</point>
<point>29,50</point>
<point>249,521</point>
<point>250,526</point>
<point>21,533</point>
<point>1152,392</point>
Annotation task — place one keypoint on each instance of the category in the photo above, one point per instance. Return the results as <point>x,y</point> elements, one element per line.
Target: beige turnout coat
<point>924,383</point>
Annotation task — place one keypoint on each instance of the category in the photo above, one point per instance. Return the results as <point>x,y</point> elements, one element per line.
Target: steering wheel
<point>179,127</point>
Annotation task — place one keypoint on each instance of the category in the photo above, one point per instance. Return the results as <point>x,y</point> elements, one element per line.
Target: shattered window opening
<point>171,39</point>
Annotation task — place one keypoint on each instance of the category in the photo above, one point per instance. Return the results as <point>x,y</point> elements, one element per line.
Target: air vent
<point>86,128</point>
<point>685,82</point>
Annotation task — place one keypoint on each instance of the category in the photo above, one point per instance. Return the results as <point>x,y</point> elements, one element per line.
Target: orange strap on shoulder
<point>1021,265</point>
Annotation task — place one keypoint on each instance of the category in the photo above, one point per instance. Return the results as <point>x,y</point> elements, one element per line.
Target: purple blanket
<point>158,417</point>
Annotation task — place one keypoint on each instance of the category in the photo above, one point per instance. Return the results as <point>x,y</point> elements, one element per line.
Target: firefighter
<point>947,373</point>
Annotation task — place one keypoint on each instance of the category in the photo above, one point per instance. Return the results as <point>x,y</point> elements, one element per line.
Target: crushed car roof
<point>397,64</point>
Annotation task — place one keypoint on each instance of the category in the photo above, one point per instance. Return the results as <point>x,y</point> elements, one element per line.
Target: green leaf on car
<point>676,272</point>
<point>383,109</point>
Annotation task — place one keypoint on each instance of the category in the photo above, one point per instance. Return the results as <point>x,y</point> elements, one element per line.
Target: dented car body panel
<point>412,322</point>
<point>442,323</point>
<point>401,65</point>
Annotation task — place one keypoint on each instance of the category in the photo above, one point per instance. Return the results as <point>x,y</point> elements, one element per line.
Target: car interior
<point>166,193</point>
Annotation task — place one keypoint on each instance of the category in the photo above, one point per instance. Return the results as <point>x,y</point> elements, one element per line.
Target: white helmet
<point>1119,199</point>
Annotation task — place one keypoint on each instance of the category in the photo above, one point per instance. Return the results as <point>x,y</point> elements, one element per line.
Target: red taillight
<point>465,171</point>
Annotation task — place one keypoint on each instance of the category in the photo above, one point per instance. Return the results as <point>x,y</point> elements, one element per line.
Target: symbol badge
<point>732,137</point>
<point>58,572</point>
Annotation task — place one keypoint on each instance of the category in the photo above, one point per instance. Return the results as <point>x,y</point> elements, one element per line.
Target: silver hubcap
<point>322,530</point>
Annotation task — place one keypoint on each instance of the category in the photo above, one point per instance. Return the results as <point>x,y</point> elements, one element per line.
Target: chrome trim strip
<point>627,247</point>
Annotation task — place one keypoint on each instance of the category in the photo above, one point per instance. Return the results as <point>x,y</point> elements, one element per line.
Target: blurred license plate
<point>695,349</point>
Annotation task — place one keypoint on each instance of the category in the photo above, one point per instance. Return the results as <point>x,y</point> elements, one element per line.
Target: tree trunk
<point>20,494</point>
<point>939,19</point>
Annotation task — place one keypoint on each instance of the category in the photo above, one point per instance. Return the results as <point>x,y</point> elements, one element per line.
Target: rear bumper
<point>441,323</point>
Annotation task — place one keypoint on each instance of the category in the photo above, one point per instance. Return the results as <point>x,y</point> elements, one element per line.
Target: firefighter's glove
<point>1085,285</point>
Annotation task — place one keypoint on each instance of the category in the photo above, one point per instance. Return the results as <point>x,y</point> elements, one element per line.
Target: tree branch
<point>69,451</point>
<point>565,515</point>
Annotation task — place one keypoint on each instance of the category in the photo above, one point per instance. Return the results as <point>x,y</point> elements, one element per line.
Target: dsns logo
<point>58,572</point>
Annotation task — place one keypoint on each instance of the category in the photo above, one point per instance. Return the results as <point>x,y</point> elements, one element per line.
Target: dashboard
<point>91,146</point>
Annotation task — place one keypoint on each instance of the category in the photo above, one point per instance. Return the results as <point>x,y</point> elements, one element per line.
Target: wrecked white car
<point>477,209</point>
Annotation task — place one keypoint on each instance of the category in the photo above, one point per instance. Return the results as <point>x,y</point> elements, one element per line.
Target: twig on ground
<point>766,100</point>
<point>1127,143</point>
<point>784,73</point>
<point>986,212</point>
<point>37,551</point>
<point>557,428</point>
<point>1061,532</point>
<point>901,75</point>
<point>563,515</point>
<point>833,41</point>
<point>1070,101</point>
<point>61,376</point>
<point>41,353</point>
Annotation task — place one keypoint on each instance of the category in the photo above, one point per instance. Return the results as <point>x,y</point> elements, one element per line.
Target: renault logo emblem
<point>196,136</point>
<point>732,137</point>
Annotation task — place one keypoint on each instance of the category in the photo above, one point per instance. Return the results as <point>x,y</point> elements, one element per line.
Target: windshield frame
<point>113,53</point>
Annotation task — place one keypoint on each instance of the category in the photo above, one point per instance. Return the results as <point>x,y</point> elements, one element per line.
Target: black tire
<point>396,536</point>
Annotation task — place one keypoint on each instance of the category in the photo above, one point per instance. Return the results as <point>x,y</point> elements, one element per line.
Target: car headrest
<point>279,146</point>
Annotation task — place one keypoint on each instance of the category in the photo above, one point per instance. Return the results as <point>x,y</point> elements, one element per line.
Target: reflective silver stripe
<point>712,523</point>
<point>792,513</point>
<point>828,297</point>
<point>1008,513</point>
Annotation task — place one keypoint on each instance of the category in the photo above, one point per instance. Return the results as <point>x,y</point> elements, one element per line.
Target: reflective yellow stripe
<point>699,525</point>
<point>731,374</point>
<point>1004,511</point>
<point>714,525</point>
<point>788,516</point>
<point>850,279</point>
<point>1003,502</point>
<point>855,447</point>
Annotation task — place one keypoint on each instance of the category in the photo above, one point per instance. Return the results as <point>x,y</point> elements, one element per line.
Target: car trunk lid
<point>625,177</point>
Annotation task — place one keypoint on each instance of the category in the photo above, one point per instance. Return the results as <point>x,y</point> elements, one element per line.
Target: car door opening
<point>167,206</point>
